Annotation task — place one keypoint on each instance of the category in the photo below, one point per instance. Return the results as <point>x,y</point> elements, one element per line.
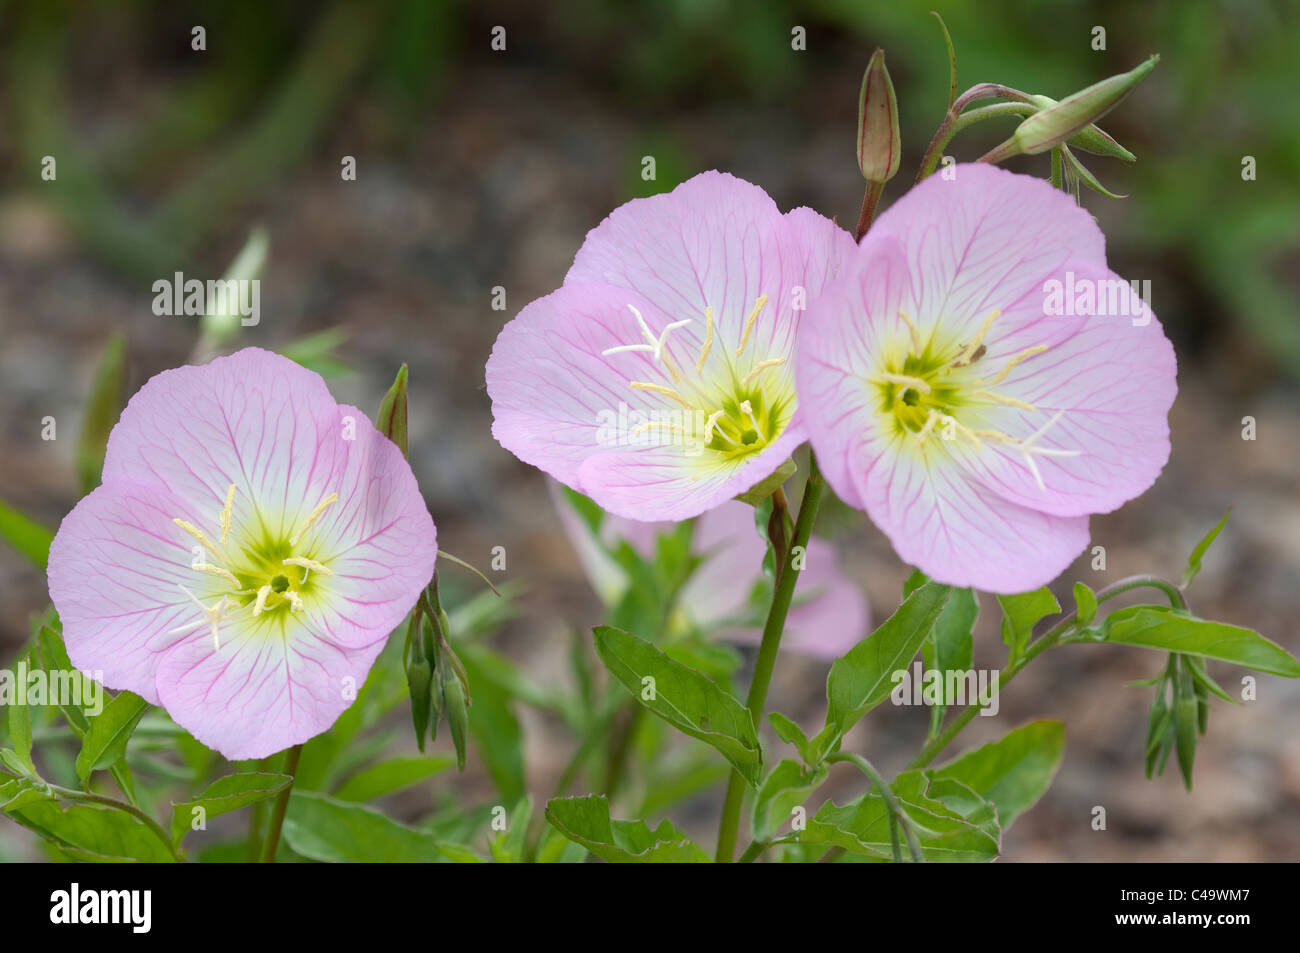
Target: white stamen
<point>654,345</point>
<point>262,595</point>
<point>1028,449</point>
<point>211,616</point>
<point>306,563</point>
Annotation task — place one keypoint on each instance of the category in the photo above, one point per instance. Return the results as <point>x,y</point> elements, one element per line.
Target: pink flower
<point>829,615</point>
<point>980,382</point>
<point>250,549</point>
<point>658,379</point>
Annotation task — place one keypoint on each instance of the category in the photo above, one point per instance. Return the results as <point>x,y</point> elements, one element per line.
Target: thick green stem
<point>272,843</point>
<point>782,594</point>
<point>1049,638</point>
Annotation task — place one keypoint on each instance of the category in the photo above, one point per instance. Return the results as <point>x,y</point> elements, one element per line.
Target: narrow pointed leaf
<point>688,700</point>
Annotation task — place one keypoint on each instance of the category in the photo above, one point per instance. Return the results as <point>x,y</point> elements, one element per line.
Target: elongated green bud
<point>1057,123</point>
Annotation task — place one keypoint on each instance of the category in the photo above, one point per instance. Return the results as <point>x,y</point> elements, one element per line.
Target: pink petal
<point>949,526</point>
<point>115,570</point>
<point>662,483</point>
<point>716,243</point>
<point>254,419</point>
<point>1112,382</point>
<point>841,346</point>
<point>982,240</point>
<point>552,388</point>
<point>263,691</point>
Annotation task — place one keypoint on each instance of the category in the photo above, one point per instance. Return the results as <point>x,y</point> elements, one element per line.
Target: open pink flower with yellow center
<point>658,380</point>
<point>980,382</point>
<point>829,615</point>
<point>251,547</point>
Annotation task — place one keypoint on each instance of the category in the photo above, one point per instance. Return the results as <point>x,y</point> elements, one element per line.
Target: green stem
<point>621,743</point>
<point>1049,638</point>
<point>955,120</point>
<point>870,199</point>
<point>89,797</point>
<point>1056,169</point>
<point>753,851</point>
<point>272,843</point>
<point>896,815</point>
<point>782,594</point>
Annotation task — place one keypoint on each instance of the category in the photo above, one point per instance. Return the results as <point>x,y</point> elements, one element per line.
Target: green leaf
<point>507,846</point>
<point>322,828</point>
<point>1194,561</point>
<point>672,786</point>
<point>1083,174</point>
<point>1196,666</point>
<point>1020,613</point>
<point>914,581</point>
<point>950,647</point>
<point>391,420</point>
<point>389,776</point>
<point>221,324</point>
<point>20,730</point>
<point>1159,726</point>
<point>495,725</point>
<point>555,848</point>
<point>1085,601</point>
<point>1013,772</point>
<point>785,788</point>
<point>792,734</point>
<point>24,534</point>
<point>690,702</point>
<point>15,792</point>
<point>103,407</point>
<point>315,352</point>
<point>767,486</point>
<point>225,795</point>
<point>1170,630</point>
<point>92,832</point>
<point>862,826</point>
<point>586,821</point>
<point>863,678</point>
<point>459,854</point>
<point>106,739</point>
<point>54,658</point>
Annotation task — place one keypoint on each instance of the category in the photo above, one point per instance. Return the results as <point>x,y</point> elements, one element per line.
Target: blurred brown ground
<point>500,190</point>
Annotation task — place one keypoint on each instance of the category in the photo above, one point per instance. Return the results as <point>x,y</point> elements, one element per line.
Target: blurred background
<point>479,169</point>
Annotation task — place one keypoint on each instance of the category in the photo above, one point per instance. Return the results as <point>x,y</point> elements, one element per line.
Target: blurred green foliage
<point>146,192</point>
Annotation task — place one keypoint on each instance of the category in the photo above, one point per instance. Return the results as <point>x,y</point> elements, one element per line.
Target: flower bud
<point>878,142</point>
<point>456,704</point>
<point>391,420</point>
<point>1090,139</point>
<point>1057,123</point>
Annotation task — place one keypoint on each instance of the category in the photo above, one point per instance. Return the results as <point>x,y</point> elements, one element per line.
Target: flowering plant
<point>253,570</point>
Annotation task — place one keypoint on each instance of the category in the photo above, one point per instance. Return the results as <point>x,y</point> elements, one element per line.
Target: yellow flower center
<point>734,405</point>
<point>265,574</point>
<point>926,388</point>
